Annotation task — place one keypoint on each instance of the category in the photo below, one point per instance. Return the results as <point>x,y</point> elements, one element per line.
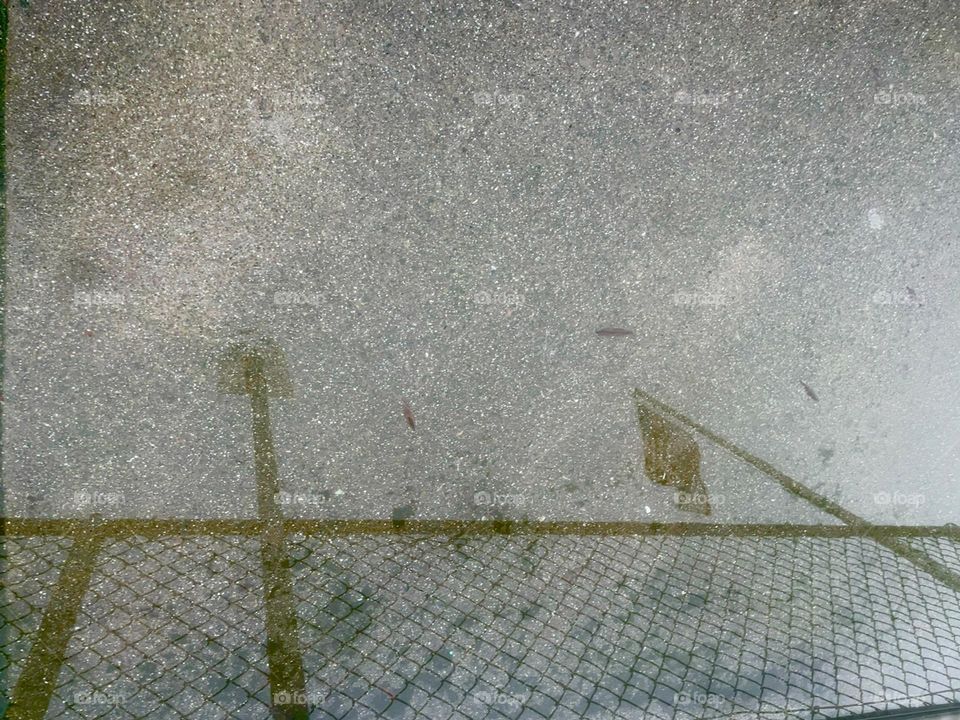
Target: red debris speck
<point>408,415</point>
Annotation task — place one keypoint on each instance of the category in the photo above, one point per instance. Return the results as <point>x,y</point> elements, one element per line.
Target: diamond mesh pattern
<point>662,627</point>
<point>504,626</point>
<point>170,628</point>
<point>30,566</point>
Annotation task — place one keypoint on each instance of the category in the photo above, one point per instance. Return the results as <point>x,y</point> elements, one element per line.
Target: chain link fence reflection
<point>522,625</point>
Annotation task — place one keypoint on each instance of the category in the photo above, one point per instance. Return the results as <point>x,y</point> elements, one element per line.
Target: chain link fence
<point>457,625</point>
<point>30,566</point>
<point>170,627</point>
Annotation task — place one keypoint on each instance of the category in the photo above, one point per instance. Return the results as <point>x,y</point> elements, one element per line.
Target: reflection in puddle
<point>672,457</point>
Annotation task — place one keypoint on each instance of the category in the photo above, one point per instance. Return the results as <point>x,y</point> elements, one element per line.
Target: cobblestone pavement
<point>30,567</point>
<point>520,625</point>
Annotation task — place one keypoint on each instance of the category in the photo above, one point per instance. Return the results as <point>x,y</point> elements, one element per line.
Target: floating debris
<point>408,415</point>
<point>810,392</point>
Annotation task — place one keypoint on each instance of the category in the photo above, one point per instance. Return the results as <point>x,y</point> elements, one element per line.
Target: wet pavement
<point>498,626</point>
<point>515,360</point>
<point>443,206</point>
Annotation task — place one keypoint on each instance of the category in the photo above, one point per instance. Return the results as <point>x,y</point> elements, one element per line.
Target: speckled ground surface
<point>428,210</point>
<point>442,204</point>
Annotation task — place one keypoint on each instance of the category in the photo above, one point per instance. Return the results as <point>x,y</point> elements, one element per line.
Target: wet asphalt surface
<point>442,204</point>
